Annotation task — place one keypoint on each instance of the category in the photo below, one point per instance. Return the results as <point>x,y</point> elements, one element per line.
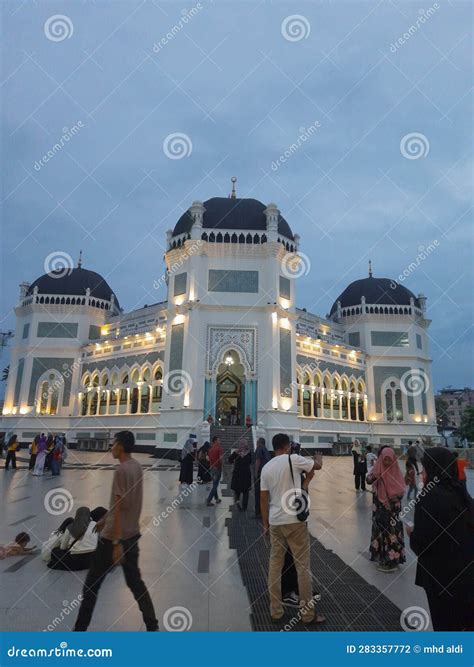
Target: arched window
<point>327,397</point>
<point>353,401</point>
<point>398,405</point>
<point>134,401</point>
<point>389,404</point>
<point>49,391</point>
<point>307,396</point>
<point>146,375</point>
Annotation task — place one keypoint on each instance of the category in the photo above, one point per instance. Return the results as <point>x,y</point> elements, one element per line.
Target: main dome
<point>73,282</point>
<point>235,214</point>
<point>376,291</point>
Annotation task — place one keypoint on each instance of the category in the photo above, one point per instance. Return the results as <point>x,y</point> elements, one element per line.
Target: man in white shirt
<point>286,530</point>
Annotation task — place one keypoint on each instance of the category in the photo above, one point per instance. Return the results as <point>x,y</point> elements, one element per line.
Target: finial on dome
<point>79,261</point>
<point>233,194</point>
<point>370,268</point>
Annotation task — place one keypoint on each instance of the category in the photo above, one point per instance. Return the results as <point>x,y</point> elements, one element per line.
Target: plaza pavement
<point>185,557</point>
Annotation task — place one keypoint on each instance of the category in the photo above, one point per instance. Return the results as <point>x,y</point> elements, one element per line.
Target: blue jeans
<point>216,478</point>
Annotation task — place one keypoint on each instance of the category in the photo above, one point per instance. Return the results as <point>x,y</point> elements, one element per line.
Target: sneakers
<point>209,503</point>
<point>291,600</point>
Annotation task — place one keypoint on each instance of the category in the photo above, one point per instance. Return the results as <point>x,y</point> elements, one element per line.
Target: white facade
<point>229,342</point>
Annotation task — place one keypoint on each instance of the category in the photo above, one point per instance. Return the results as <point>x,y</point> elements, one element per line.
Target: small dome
<point>381,291</point>
<point>73,282</point>
<point>235,214</point>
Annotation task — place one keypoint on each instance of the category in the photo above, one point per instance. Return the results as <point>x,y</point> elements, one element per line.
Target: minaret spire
<point>370,268</point>
<point>233,194</point>
<point>79,261</point>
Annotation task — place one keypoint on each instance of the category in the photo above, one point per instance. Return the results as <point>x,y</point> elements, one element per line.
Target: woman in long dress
<point>241,474</point>
<point>57,457</point>
<point>187,462</point>
<point>40,457</point>
<point>387,546</point>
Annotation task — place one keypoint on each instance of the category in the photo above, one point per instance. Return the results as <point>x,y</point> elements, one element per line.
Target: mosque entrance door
<point>230,392</point>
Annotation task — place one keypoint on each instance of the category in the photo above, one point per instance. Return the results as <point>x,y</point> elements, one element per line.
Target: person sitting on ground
<point>77,542</point>
<point>18,547</point>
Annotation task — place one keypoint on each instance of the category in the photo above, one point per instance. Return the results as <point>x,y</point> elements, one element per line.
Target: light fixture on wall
<point>229,360</point>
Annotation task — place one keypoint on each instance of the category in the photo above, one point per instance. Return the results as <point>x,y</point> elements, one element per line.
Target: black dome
<point>376,291</point>
<point>228,213</point>
<point>73,282</point>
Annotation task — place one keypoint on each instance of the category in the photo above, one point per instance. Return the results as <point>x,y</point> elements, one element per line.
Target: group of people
<point>46,453</point>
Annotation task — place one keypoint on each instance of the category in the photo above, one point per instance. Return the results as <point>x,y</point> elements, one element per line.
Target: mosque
<point>228,346</point>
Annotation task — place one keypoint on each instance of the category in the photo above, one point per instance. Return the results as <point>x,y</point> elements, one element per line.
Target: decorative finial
<point>370,268</point>
<point>233,194</point>
<point>79,262</point>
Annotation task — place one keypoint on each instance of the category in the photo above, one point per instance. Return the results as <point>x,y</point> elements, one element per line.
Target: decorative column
<point>128,401</point>
<point>197,213</point>
<point>150,398</point>
<point>117,404</point>
<point>107,405</point>
<point>311,393</point>
<point>271,213</point>
<point>99,393</point>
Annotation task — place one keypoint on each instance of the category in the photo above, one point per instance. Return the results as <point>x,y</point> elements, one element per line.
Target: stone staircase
<point>230,436</point>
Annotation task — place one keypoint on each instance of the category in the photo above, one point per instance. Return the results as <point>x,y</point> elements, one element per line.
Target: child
<point>18,547</point>
<point>410,479</point>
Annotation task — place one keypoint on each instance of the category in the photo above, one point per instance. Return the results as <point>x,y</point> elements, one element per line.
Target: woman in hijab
<point>387,546</point>
<point>204,476</point>
<point>187,462</point>
<point>443,540</point>
<point>77,544</point>
<point>41,456</point>
<point>241,474</point>
<point>57,456</point>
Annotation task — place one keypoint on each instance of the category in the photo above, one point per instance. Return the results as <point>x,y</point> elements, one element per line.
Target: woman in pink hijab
<point>387,546</point>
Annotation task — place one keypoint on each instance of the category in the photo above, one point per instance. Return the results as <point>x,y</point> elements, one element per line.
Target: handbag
<point>301,502</point>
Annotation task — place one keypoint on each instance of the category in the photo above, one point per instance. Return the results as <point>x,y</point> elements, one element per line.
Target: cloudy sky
<point>242,81</point>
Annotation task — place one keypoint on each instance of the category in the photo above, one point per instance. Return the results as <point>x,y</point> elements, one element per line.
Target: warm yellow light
<point>425,419</point>
<point>179,300</point>
<point>178,319</point>
<point>274,403</point>
<point>274,317</point>
<point>104,331</point>
<point>285,323</point>
<point>373,418</point>
<point>24,410</point>
<point>286,403</point>
<point>418,419</point>
<point>6,411</point>
<point>285,303</point>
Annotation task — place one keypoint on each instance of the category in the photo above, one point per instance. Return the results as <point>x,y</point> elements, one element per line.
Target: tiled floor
<point>186,560</point>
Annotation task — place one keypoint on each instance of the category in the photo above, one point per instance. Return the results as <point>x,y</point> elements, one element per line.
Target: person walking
<point>443,539</point>
<point>360,466</point>
<point>215,455</point>
<point>40,457</point>
<point>262,456</point>
<point>33,452</point>
<point>241,475</point>
<point>12,446</point>
<point>410,480</point>
<point>412,456</point>
<point>49,451</point>
<point>57,455</point>
<point>280,479</point>
<point>387,546</point>
<point>187,462</point>
<point>119,534</point>
<point>203,463</point>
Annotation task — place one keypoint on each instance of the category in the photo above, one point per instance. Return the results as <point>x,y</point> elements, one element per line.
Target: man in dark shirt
<point>119,534</point>
<point>215,455</point>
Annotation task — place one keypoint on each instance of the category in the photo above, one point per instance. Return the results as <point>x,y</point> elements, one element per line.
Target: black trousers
<point>11,457</point>
<point>359,479</point>
<point>32,462</point>
<point>414,463</point>
<point>245,498</point>
<point>451,613</point>
<point>256,490</point>
<point>101,565</point>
